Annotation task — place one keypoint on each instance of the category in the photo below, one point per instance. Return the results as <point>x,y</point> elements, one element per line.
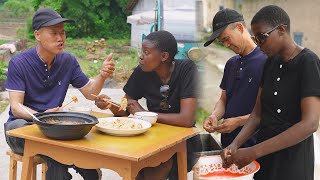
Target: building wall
<point>304,16</point>
<point>182,27</point>
<point>211,7</point>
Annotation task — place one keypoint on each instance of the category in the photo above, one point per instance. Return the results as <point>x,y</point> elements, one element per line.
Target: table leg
<point>127,173</point>
<point>182,161</point>
<point>27,162</point>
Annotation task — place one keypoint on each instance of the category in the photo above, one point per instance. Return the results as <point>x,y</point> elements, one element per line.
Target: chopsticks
<point>74,99</point>
<point>106,100</point>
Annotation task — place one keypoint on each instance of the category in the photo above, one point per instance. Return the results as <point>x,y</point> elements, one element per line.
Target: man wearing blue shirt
<point>240,82</point>
<point>39,79</point>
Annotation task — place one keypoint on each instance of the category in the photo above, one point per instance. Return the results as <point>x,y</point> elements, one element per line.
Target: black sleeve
<point>190,79</point>
<point>310,75</point>
<point>134,86</point>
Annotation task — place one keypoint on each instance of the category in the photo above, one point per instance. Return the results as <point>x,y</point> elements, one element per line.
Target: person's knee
<point>16,144</point>
<point>160,172</point>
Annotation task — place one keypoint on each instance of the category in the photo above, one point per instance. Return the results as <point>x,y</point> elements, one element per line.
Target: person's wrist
<point>104,77</point>
<point>238,121</point>
<point>214,115</point>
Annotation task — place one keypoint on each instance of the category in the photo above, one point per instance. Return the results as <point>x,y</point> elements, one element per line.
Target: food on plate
<point>75,99</point>
<point>123,104</point>
<point>121,124</point>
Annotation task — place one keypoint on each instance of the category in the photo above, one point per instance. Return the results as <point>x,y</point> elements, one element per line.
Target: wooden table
<point>125,155</point>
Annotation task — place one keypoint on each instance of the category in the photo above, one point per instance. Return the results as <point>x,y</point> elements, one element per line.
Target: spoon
<point>27,111</point>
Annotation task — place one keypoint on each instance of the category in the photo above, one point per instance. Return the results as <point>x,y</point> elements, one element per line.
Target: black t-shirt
<point>283,85</point>
<point>183,84</point>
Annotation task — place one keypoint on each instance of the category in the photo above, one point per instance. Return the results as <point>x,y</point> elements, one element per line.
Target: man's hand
<point>56,109</point>
<point>228,125</point>
<point>101,102</point>
<point>210,123</point>
<point>107,68</point>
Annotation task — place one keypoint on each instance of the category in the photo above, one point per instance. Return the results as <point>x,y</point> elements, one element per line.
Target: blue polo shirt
<point>241,81</point>
<point>43,88</point>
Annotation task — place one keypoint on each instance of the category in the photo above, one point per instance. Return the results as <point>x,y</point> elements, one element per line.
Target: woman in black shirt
<point>169,88</point>
<point>287,109</point>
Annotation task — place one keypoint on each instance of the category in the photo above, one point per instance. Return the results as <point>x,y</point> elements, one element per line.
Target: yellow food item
<point>123,104</point>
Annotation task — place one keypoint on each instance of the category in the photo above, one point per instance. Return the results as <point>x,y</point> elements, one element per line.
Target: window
<point>297,37</point>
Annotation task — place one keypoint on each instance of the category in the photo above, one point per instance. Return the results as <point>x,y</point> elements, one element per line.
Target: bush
<point>94,18</point>
<point>201,115</point>
<point>3,69</point>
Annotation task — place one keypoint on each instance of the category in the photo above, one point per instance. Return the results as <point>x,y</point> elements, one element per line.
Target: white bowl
<point>122,132</point>
<point>151,117</point>
<point>210,167</point>
<point>80,109</point>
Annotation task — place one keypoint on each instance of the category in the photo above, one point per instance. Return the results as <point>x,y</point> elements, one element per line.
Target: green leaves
<point>94,18</point>
<point>19,7</point>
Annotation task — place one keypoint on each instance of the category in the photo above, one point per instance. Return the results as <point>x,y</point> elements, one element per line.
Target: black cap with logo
<point>47,17</point>
<point>221,20</point>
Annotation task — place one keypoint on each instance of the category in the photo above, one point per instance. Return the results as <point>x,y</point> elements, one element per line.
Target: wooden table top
<point>135,148</point>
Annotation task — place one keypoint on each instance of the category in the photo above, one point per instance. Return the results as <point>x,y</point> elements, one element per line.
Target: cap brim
<point>214,35</point>
<point>57,21</point>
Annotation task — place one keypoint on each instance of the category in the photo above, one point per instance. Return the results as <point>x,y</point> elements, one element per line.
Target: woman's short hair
<point>273,16</point>
<point>164,41</point>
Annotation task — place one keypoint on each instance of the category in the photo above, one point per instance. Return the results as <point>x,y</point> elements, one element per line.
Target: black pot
<point>67,126</point>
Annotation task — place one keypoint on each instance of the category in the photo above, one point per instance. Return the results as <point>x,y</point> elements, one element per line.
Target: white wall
<point>181,23</point>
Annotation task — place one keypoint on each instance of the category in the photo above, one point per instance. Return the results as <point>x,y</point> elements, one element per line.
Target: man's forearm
<point>94,87</point>
<point>242,119</point>
<point>219,109</point>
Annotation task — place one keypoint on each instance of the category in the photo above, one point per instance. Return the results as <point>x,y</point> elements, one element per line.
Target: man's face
<point>52,38</point>
<point>231,38</point>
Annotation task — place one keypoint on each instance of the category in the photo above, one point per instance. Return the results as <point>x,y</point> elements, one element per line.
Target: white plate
<point>122,132</point>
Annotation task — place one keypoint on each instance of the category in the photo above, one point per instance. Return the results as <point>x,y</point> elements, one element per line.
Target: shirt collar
<point>248,56</point>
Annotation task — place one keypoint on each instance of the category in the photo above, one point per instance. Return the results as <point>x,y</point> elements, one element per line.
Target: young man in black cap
<point>240,82</point>
<point>39,78</point>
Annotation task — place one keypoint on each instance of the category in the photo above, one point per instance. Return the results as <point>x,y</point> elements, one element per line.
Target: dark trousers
<point>56,170</point>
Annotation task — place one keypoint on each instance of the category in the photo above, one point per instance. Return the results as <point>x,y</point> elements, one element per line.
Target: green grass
<point>2,41</point>
<point>124,57</point>
<point>3,67</point>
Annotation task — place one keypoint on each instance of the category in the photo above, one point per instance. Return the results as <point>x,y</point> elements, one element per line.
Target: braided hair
<point>164,41</point>
<point>272,15</point>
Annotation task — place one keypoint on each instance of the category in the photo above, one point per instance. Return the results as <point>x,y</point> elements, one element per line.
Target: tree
<point>94,18</point>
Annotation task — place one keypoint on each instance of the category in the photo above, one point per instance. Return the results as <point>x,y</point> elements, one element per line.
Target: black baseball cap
<point>47,17</point>
<point>221,20</point>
